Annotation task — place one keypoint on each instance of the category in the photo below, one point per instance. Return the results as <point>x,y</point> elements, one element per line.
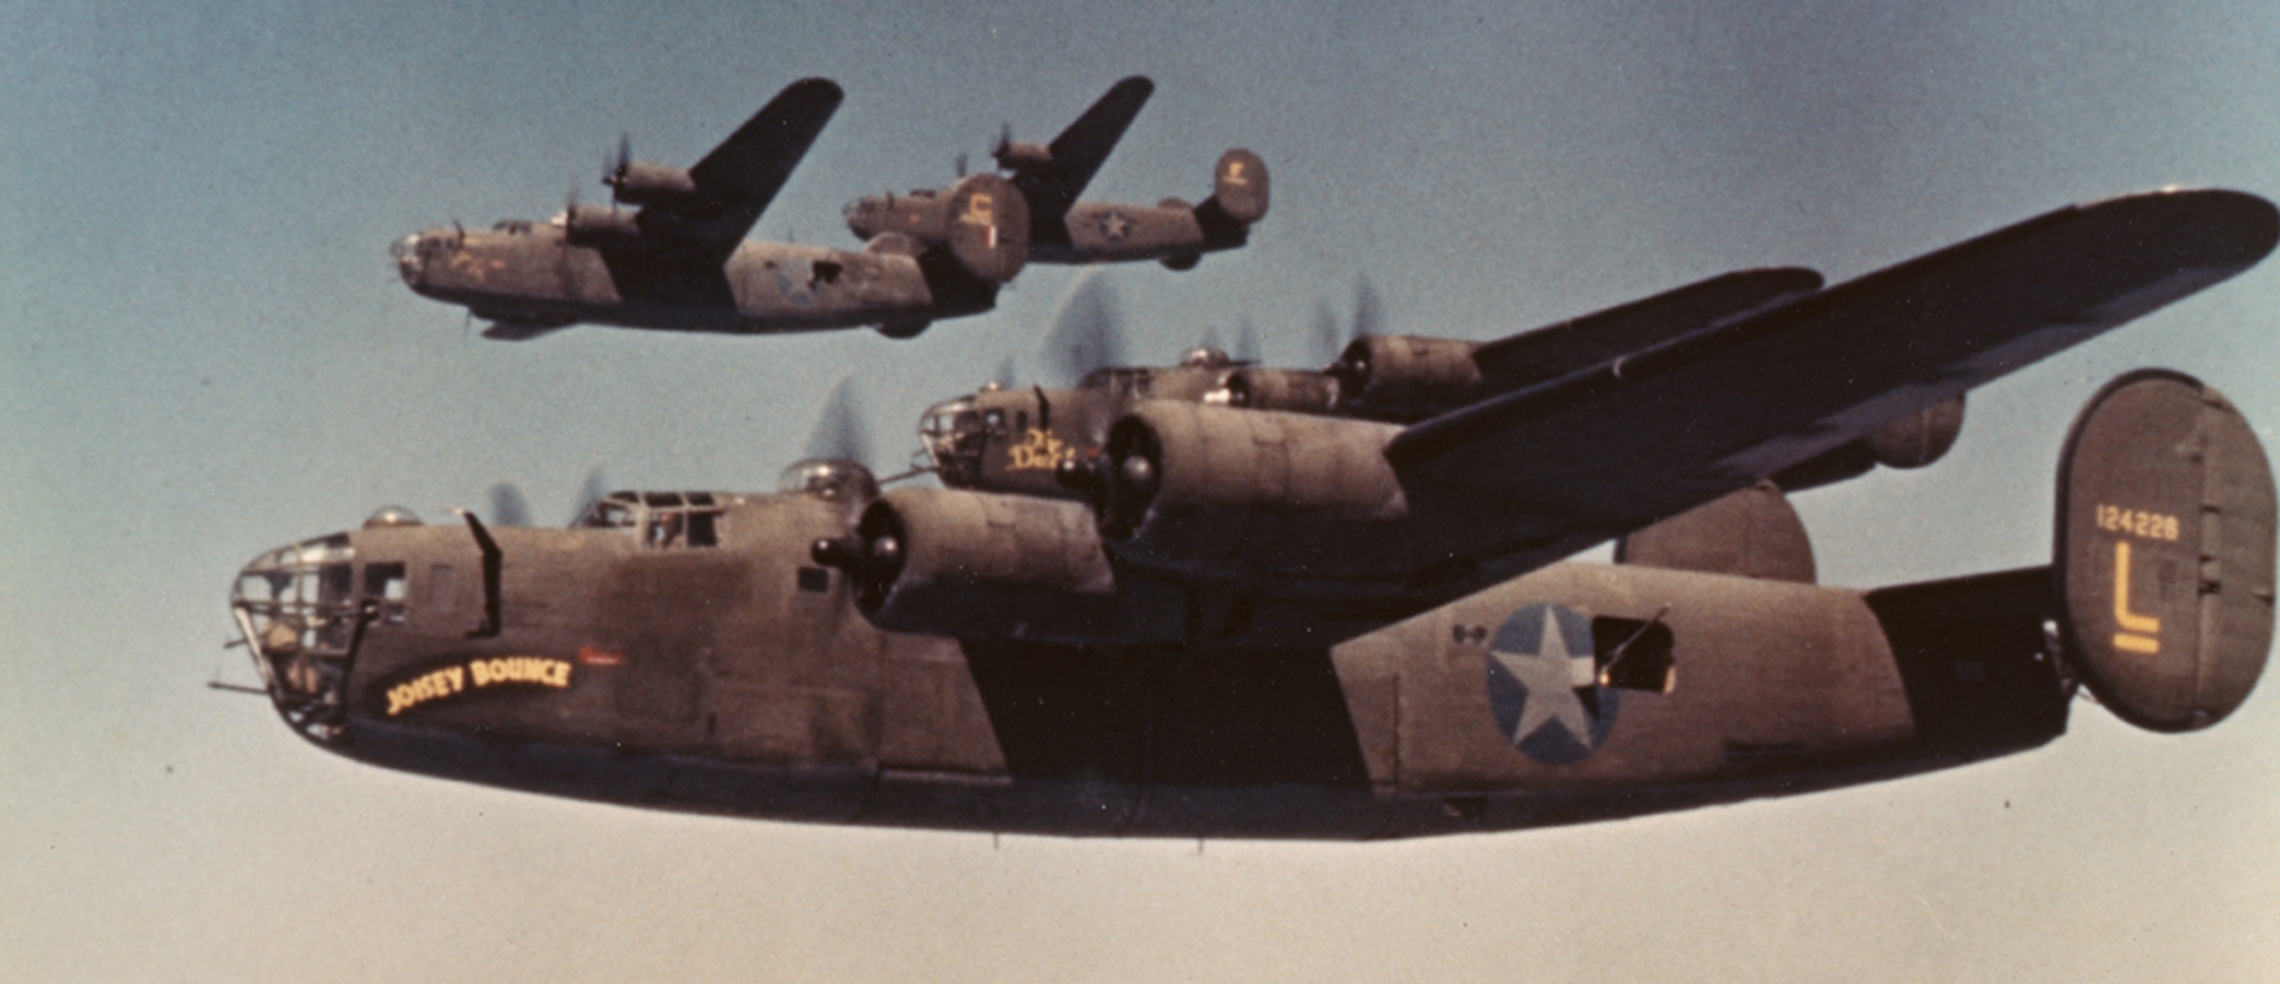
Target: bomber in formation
<point>678,259</point>
<point>1219,599</point>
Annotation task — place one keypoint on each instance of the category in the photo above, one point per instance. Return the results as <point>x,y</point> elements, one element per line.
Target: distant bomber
<point>1219,601</point>
<point>680,262</point>
<point>1065,230</point>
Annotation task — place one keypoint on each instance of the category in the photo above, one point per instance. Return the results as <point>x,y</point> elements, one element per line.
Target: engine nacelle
<point>1016,155</point>
<point>1292,390</point>
<point>1405,377</point>
<point>919,216</point>
<point>894,244</point>
<point>600,227</point>
<point>979,565</point>
<point>643,183</point>
<point>1200,486</point>
<point>1920,438</point>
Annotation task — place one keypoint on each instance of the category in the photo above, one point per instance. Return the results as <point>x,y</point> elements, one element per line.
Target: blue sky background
<point>204,353</point>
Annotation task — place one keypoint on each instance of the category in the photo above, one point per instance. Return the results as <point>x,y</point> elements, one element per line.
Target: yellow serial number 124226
<point>2137,522</point>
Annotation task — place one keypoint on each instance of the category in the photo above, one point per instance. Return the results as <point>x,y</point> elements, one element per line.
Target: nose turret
<point>951,434</point>
<point>406,252</point>
<point>866,216</point>
<point>299,616</point>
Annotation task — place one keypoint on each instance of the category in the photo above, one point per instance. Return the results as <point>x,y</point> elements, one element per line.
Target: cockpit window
<point>385,583</point>
<point>1122,381</point>
<point>609,515</point>
<point>659,519</point>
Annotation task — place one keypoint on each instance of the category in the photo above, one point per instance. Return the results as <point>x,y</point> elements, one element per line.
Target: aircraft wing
<point>1079,151</point>
<point>1554,350</point>
<point>742,175</point>
<point>1617,445</point>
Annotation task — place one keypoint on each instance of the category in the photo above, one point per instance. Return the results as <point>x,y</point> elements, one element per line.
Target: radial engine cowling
<point>1295,390</point>
<point>599,227</point>
<point>1405,377</point>
<point>1191,485</point>
<point>1918,439</point>
<point>643,183</point>
<point>979,565</point>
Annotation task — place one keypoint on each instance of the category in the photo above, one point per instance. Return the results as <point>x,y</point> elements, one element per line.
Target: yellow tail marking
<point>980,211</point>
<point>2123,617</point>
<point>2136,643</point>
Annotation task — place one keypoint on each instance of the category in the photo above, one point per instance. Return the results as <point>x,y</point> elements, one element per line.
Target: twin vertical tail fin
<point>1239,187</point>
<point>2164,551</point>
<point>988,228</point>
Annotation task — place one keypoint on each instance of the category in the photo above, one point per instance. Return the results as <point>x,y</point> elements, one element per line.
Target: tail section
<point>2161,586</point>
<point>2164,553</point>
<point>1239,188</point>
<point>988,231</point>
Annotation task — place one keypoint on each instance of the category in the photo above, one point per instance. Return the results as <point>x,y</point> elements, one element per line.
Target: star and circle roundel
<point>1543,685</point>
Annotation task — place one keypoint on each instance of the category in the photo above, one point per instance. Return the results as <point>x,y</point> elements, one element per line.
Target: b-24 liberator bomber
<point>679,261</point>
<point>1022,439</point>
<point>1257,623</point>
<point>1064,230</point>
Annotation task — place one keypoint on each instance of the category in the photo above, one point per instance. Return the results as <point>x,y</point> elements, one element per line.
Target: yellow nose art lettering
<point>2130,622</point>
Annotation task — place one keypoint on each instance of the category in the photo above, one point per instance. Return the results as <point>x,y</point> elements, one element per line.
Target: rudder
<point>2163,555</point>
<point>988,228</point>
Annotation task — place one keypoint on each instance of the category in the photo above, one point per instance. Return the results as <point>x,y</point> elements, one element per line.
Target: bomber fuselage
<point>532,274</point>
<point>687,653</point>
<point>1089,232</point>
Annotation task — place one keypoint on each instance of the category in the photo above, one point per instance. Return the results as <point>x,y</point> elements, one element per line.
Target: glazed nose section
<point>861,216</point>
<point>298,616</point>
<point>406,252</point>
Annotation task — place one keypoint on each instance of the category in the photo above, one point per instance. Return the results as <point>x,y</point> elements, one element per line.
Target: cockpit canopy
<point>1205,357</point>
<point>660,519</point>
<point>391,516</point>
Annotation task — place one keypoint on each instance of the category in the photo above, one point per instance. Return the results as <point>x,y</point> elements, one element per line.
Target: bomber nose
<point>407,254</point>
<point>297,616</point>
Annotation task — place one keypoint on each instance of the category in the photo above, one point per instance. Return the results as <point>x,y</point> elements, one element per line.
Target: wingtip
<point>815,87</point>
<point>2232,228</point>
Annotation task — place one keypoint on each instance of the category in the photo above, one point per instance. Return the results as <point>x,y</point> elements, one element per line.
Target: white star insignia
<point>1551,677</point>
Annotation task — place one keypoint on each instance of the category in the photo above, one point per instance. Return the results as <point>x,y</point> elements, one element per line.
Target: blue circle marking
<point>1543,685</point>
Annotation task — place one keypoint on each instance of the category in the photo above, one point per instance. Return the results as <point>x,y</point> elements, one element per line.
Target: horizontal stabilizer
<point>2165,551</point>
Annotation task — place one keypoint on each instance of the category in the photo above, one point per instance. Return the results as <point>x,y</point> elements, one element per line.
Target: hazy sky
<point>204,353</point>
